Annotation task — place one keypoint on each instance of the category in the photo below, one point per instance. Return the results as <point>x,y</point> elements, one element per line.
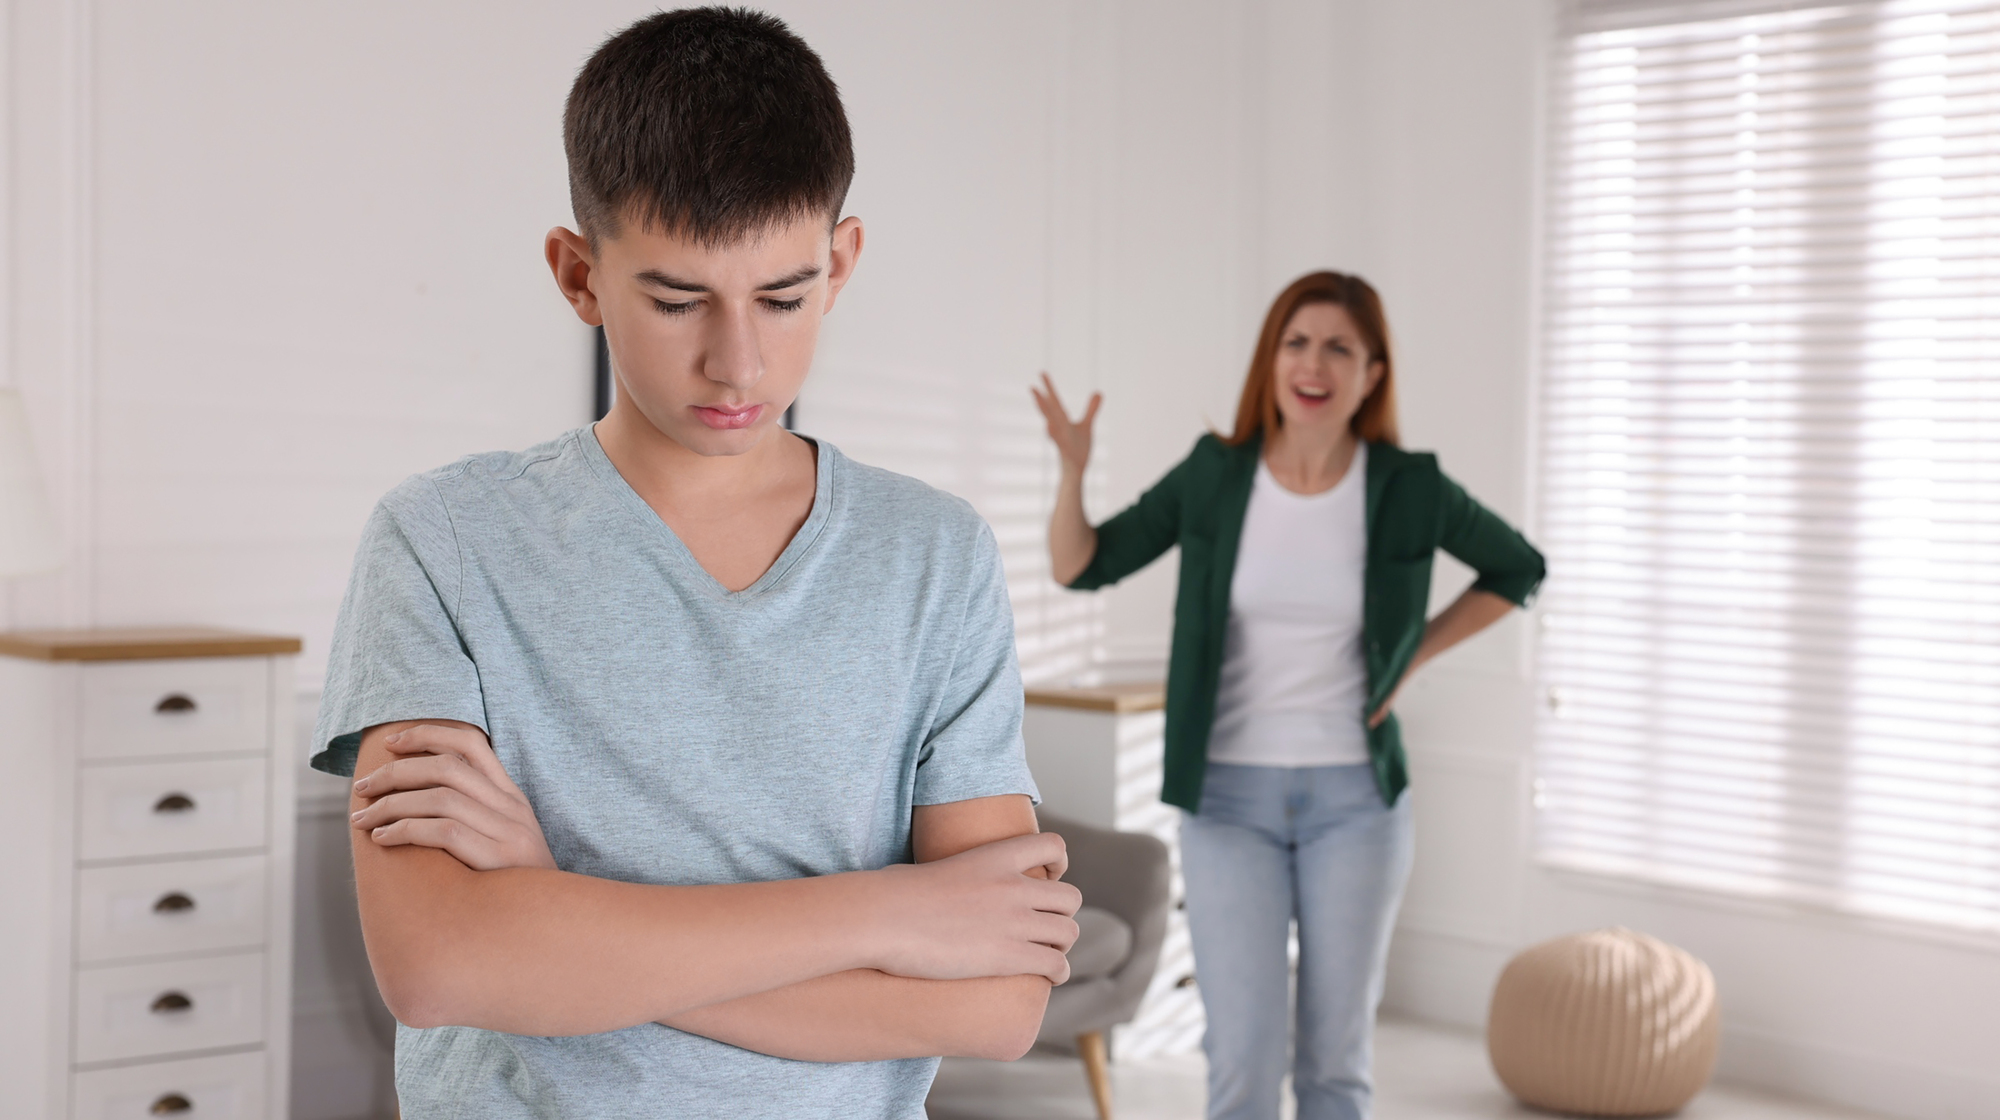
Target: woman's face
<point>1323,371</point>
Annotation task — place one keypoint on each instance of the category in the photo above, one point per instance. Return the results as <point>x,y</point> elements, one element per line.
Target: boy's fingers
<point>1024,854</point>
<point>1052,964</point>
<point>428,771</point>
<point>1056,867</point>
<point>1032,850</point>
<point>466,846</point>
<point>464,744</point>
<point>1055,931</point>
<point>1040,848</point>
<point>438,802</point>
<point>1059,898</point>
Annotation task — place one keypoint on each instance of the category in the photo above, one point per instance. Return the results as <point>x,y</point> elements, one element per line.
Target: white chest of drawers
<point>146,831</point>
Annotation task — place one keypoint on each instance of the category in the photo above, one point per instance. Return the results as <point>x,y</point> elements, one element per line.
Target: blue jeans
<point>1272,845</point>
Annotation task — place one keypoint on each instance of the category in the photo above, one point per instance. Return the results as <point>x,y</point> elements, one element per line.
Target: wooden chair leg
<point>1097,1067</point>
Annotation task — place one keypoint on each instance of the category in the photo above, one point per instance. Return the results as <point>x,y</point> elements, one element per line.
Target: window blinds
<point>1770,453</point>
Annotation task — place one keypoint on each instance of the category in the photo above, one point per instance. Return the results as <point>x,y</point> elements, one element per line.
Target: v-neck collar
<point>677,549</point>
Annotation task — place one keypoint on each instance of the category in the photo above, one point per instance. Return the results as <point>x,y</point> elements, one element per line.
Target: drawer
<point>151,909</point>
<point>193,705</point>
<point>170,808</point>
<point>230,1087</point>
<point>141,1010</point>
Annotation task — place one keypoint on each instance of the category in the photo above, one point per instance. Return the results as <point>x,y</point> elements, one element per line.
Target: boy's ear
<point>572,260</point>
<point>847,240</point>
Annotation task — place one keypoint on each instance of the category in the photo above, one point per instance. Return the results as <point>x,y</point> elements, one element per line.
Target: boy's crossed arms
<point>469,923</point>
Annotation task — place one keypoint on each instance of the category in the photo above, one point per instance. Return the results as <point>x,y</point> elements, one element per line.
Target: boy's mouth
<point>728,419</point>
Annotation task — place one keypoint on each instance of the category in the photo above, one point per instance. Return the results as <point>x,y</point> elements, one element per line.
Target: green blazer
<point>1413,510</point>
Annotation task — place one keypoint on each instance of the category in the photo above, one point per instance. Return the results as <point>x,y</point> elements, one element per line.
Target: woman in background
<point>1306,538</point>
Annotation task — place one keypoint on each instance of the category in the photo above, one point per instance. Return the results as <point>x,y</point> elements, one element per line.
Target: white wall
<point>1876,1016</point>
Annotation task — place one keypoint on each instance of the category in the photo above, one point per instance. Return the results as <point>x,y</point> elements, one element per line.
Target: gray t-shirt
<point>669,731</point>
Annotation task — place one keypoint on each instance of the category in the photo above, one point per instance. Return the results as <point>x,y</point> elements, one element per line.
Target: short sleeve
<point>973,748</point>
<point>397,653</point>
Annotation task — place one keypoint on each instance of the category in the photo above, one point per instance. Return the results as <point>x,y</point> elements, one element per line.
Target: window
<point>1770,453</point>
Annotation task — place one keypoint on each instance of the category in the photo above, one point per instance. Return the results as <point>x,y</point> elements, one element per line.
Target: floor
<point>1422,1072</point>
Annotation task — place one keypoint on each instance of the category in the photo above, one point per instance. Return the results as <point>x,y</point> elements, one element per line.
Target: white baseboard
<point>1854,1079</point>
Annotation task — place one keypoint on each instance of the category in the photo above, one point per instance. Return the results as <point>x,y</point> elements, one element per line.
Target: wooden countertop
<point>142,644</point>
<point>1136,696</point>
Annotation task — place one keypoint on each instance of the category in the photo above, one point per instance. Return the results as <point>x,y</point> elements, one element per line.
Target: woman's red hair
<point>1257,412</point>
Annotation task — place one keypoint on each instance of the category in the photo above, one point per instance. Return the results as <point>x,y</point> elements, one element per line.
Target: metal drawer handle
<point>171,1002</point>
<point>174,803</point>
<point>177,702</point>
<point>171,1104</point>
<point>173,903</point>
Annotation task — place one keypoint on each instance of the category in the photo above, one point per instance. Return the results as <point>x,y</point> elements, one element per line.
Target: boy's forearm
<point>542,952</point>
<point>867,1016</point>
<point>505,950</point>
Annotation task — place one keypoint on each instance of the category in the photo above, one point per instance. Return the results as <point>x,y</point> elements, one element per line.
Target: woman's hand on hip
<point>447,790</point>
<point>1072,438</point>
<point>1375,718</point>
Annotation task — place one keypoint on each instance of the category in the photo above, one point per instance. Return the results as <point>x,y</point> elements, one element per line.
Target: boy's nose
<point>734,358</point>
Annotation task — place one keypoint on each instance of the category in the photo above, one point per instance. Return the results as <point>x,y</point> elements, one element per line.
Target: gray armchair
<point>1124,877</point>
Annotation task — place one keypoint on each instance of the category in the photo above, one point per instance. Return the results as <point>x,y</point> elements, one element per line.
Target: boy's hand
<point>984,912</point>
<point>447,789</point>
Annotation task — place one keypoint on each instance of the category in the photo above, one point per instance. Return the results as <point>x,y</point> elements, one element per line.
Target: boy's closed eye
<point>683,307</point>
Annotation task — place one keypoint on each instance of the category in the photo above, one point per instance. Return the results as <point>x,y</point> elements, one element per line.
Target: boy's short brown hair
<point>705,123</point>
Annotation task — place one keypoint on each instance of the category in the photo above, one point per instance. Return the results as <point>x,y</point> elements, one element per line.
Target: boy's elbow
<point>418,993</point>
<point>426,963</point>
<point>1009,1025</point>
<point>1010,1043</point>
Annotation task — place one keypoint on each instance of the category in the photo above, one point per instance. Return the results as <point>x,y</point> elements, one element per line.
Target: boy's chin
<point>703,440</point>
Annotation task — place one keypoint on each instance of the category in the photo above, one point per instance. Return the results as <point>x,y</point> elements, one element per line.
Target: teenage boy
<point>653,718</point>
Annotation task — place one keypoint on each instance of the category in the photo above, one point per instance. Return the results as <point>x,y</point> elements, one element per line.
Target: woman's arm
<point>1471,612</point>
<point>1072,542</point>
<point>1509,570</point>
<point>1086,558</point>
<point>1508,565</point>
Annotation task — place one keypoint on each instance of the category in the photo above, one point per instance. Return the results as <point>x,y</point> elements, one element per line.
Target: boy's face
<point>710,345</point>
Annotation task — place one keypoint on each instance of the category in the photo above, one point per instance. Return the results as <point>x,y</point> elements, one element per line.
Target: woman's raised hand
<point>1072,438</point>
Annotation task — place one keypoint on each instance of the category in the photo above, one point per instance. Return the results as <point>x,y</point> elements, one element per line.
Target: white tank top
<point>1294,678</point>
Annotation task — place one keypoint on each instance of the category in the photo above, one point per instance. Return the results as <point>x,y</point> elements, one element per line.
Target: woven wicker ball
<point>1609,1023</point>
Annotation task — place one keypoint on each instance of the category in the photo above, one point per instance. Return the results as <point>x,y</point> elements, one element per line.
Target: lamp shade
<point>28,540</point>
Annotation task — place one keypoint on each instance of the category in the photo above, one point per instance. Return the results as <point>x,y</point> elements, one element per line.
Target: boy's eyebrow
<point>660,279</point>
